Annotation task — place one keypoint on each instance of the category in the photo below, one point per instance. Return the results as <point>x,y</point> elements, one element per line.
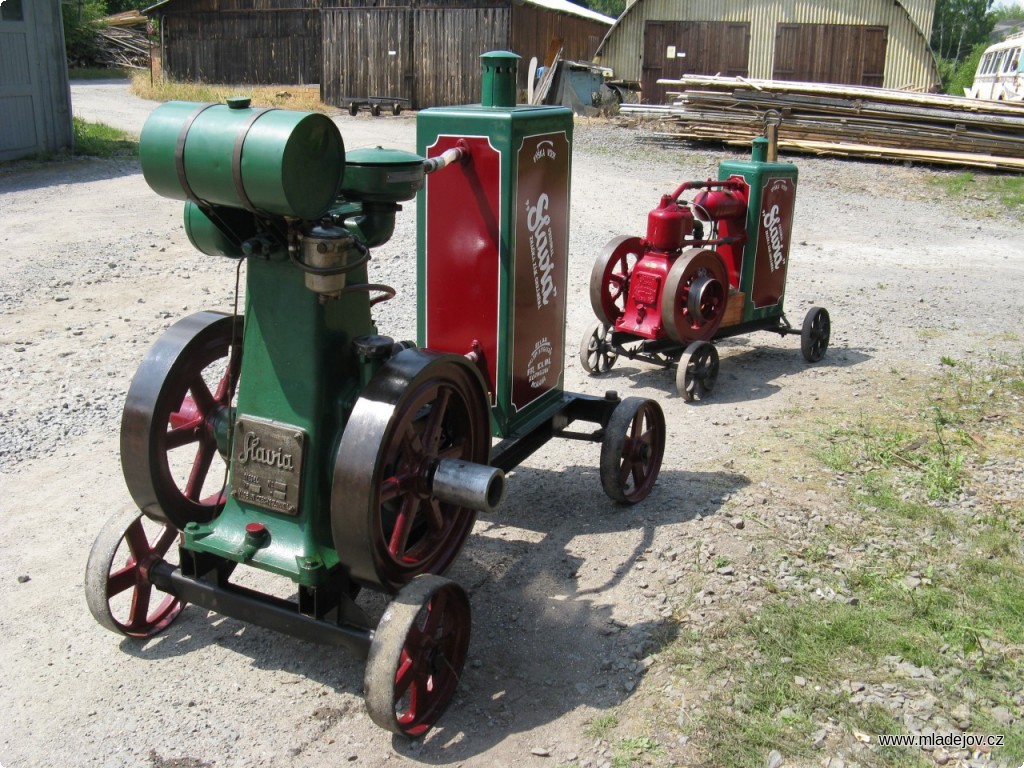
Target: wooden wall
<point>242,41</point>
<point>428,51</point>
<point>534,29</point>
<point>430,56</point>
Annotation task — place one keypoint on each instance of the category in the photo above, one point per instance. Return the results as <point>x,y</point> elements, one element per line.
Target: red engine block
<point>674,283</point>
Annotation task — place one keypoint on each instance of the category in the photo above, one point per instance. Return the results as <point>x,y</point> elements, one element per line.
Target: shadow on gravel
<point>560,619</point>
<point>23,175</point>
<point>746,371</point>
<point>563,614</point>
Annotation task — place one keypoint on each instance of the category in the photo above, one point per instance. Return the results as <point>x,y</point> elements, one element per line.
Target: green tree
<point>959,26</point>
<point>957,77</point>
<point>1008,12</point>
<point>613,8</point>
<point>119,6</point>
<point>81,20</point>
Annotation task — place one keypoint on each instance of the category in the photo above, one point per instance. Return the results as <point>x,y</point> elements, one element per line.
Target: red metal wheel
<point>696,294</point>
<point>176,418</point>
<point>417,655</point>
<point>117,586</point>
<point>609,277</point>
<point>632,449</point>
<point>420,408</point>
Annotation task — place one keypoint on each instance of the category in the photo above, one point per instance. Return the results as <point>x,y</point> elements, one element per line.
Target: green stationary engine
<point>297,440</point>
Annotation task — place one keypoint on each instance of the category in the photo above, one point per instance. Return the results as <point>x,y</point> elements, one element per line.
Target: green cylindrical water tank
<point>221,235</point>
<point>273,161</point>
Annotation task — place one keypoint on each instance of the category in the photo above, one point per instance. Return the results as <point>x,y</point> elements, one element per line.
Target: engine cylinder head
<point>668,225</point>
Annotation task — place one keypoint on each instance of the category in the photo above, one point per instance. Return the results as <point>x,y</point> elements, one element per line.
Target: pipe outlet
<point>470,485</point>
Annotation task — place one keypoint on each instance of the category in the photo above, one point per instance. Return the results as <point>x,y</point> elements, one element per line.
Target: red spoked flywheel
<point>610,275</point>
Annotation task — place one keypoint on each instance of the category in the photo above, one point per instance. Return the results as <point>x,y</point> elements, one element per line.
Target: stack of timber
<point>844,121</point>
<point>122,41</point>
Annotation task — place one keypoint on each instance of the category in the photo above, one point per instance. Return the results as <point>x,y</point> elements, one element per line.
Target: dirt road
<point>572,597</point>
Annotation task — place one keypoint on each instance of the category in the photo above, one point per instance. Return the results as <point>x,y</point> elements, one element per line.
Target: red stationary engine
<point>671,284</point>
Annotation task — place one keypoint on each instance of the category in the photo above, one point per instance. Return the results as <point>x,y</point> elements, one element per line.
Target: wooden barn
<point>882,43</point>
<point>261,42</point>
<point>428,51</point>
<point>35,102</point>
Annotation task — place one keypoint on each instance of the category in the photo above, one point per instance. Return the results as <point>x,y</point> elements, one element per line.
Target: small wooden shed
<point>881,43</point>
<point>262,42</point>
<point>35,101</point>
<point>428,51</point>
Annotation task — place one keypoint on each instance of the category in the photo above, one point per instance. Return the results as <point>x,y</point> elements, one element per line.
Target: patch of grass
<point>601,726</point>
<point>289,96</point>
<point>99,140</point>
<point>938,585</point>
<point>1005,189</point>
<point>636,750</point>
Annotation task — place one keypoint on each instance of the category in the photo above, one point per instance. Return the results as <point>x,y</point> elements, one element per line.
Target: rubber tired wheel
<point>420,407</point>
<point>609,277</point>
<point>417,655</point>
<point>597,355</point>
<point>632,449</point>
<point>697,371</point>
<point>815,334</point>
<point>117,587</point>
<point>695,298</point>
<point>181,391</point>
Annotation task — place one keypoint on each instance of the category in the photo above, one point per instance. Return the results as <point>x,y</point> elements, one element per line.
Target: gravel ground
<point>572,598</point>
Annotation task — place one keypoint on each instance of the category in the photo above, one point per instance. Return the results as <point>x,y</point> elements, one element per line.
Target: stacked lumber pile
<point>122,42</point>
<point>842,120</point>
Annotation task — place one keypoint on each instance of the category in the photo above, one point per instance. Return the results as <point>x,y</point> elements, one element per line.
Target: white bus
<point>1000,74</point>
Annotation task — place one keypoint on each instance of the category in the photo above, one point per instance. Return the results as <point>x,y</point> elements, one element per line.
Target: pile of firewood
<point>842,120</point>
<point>122,41</point>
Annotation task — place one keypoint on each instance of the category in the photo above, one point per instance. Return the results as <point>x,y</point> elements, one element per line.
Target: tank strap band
<point>236,158</point>
<point>179,153</point>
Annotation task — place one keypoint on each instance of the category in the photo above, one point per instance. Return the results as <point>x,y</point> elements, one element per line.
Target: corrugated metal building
<point>854,42</point>
<point>35,101</point>
<point>240,41</point>
<point>427,51</point>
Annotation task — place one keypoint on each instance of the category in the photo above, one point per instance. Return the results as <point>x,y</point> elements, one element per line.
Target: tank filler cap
<point>239,102</point>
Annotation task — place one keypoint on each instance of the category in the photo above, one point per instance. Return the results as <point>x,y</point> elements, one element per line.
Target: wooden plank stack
<point>122,47</point>
<point>122,41</point>
<point>844,121</point>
